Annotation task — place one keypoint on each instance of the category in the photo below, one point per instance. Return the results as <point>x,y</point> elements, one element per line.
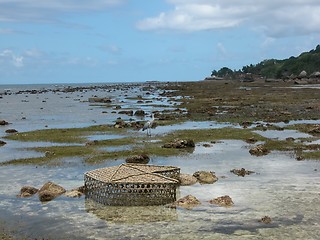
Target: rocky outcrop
<point>224,201</point>
<point>142,158</point>
<point>205,177</point>
<point>187,179</point>
<point>179,143</point>
<point>187,202</point>
<point>2,143</point>
<point>50,191</point>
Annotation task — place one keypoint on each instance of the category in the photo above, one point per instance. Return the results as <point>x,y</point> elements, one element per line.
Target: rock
<point>205,177</point>
<point>251,140</point>
<point>11,131</point>
<point>74,193</point>
<point>139,113</point>
<point>100,100</point>
<point>127,112</point>
<point>143,158</point>
<point>187,179</point>
<point>92,143</point>
<point>179,143</point>
<point>49,153</point>
<point>3,122</point>
<point>241,172</point>
<point>224,201</point>
<point>259,150</point>
<point>303,74</point>
<point>2,143</point>
<point>188,202</point>
<point>27,191</point>
<point>49,191</point>
<point>315,129</point>
<point>266,220</point>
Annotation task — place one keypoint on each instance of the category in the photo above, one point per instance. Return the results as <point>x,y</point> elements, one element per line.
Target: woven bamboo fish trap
<point>132,185</point>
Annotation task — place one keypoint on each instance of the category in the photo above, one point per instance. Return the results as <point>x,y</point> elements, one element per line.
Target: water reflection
<point>131,214</point>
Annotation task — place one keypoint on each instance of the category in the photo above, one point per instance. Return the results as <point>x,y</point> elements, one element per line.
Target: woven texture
<point>132,185</point>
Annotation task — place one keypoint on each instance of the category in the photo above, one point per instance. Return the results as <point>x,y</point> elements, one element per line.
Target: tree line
<point>273,68</point>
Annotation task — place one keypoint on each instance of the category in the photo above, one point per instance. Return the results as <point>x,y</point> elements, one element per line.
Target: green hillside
<point>273,68</point>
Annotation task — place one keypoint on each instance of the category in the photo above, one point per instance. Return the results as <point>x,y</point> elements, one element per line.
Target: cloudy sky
<point>71,41</point>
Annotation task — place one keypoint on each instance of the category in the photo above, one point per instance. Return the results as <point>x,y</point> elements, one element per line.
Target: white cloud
<point>275,18</point>
<point>8,57</point>
<point>34,10</point>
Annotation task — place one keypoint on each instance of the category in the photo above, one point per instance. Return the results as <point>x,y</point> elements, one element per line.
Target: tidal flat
<point>60,135</point>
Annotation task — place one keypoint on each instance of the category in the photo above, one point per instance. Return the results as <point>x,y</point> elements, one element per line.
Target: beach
<point>219,116</point>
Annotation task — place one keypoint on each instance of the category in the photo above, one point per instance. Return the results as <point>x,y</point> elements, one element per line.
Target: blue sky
<point>74,41</point>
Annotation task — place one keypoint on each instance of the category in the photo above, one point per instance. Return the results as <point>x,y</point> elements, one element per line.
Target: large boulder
<point>50,191</point>
<point>205,177</point>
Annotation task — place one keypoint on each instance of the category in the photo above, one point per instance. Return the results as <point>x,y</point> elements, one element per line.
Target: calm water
<point>285,189</point>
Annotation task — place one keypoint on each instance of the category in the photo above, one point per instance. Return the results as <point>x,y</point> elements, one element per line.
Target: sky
<point>91,41</point>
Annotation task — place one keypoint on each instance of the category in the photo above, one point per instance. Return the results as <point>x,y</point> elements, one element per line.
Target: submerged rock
<point>187,179</point>
<point>188,202</point>
<point>205,177</point>
<point>50,191</point>
<point>224,201</point>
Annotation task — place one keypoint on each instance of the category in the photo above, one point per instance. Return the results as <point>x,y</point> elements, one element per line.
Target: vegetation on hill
<point>273,68</point>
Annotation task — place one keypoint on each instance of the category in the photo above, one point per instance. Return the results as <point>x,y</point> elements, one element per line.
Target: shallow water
<point>285,189</point>
<point>282,188</point>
